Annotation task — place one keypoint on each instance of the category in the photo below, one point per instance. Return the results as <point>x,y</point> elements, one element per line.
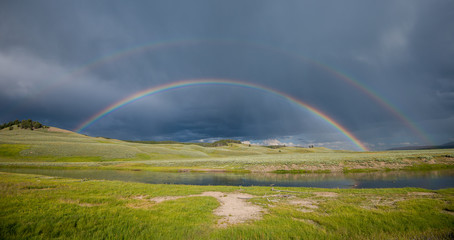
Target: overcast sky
<point>55,68</point>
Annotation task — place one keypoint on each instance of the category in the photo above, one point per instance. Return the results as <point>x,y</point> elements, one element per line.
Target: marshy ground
<point>34,206</point>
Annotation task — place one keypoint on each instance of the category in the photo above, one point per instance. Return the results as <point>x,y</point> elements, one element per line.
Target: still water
<point>396,179</point>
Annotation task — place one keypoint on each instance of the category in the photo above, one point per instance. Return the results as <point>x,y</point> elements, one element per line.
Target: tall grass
<point>33,206</point>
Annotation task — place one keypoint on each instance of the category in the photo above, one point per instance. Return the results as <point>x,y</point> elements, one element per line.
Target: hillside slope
<point>53,147</point>
<point>54,144</point>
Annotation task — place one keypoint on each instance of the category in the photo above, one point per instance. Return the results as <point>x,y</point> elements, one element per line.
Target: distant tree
<point>25,124</point>
<point>37,125</point>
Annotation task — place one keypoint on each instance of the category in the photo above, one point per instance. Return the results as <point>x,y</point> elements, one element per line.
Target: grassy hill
<point>55,147</point>
<point>61,144</point>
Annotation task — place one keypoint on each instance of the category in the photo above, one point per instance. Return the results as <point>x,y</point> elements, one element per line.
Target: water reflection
<point>395,179</point>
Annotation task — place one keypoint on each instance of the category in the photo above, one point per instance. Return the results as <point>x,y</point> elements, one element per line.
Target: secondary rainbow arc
<point>197,82</point>
<point>380,100</point>
<point>181,42</point>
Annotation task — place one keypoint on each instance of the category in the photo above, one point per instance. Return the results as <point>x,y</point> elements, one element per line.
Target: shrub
<point>24,124</point>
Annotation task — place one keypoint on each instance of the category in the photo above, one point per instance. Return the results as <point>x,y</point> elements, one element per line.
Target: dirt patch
<point>167,198</point>
<point>140,197</point>
<point>374,203</point>
<point>307,204</point>
<point>234,207</point>
<point>325,194</point>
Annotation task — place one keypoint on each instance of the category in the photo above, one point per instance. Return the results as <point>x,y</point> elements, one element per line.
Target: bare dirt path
<point>234,207</point>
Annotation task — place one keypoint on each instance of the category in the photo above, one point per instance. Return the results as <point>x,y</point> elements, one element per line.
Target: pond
<point>394,179</point>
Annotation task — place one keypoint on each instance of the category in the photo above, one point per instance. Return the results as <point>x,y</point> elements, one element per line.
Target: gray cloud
<point>401,51</point>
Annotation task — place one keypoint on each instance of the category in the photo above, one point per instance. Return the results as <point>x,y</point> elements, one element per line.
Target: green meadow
<point>43,207</point>
<point>40,207</point>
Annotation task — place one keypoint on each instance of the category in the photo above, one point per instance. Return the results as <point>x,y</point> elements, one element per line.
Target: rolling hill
<point>55,147</point>
<point>64,145</point>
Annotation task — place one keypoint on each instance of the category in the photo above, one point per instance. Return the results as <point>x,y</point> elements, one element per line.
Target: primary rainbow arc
<point>196,82</point>
<point>180,42</point>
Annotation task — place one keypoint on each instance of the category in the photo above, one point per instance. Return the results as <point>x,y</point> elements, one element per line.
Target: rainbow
<point>380,100</point>
<point>174,43</point>
<point>181,84</point>
<point>352,82</point>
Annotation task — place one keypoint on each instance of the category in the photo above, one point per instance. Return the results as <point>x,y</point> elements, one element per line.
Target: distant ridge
<point>443,146</point>
<point>219,143</point>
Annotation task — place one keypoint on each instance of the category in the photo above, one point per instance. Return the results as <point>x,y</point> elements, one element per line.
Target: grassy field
<point>44,148</point>
<point>39,207</point>
<point>33,206</point>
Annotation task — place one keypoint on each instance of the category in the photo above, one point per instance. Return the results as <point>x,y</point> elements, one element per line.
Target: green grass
<point>12,150</point>
<point>40,148</point>
<point>39,207</point>
<point>428,167</point>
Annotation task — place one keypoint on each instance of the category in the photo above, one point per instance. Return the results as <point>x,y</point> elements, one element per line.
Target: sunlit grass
<point>41,148</point>
<point>33,206</point>
<point>12,151</point>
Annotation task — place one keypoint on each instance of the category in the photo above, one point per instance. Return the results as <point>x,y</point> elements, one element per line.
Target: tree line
<point>24,124</point>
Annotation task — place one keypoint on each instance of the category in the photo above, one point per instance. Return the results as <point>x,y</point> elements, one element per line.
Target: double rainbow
<point>380,100</point>
<point>223,82</point>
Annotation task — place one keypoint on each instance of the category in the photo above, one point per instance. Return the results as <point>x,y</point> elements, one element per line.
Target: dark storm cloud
<point>400,50</point>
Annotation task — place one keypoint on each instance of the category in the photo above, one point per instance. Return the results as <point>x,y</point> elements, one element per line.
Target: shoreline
<point>370,166</point>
